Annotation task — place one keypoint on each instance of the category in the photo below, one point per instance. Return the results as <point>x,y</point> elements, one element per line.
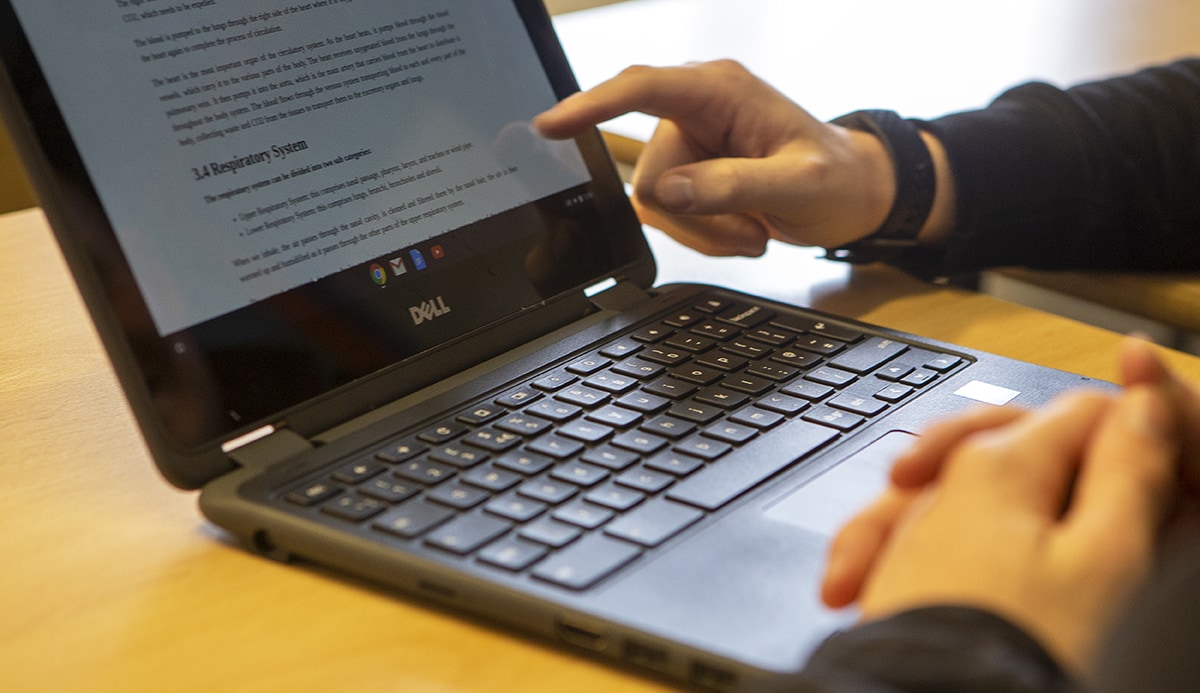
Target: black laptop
<point>384,327</point>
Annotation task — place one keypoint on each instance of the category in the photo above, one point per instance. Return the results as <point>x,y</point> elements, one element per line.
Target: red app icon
<point>437,252</point>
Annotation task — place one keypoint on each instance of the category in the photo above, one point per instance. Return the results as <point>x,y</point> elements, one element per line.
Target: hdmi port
<point>579,635</point>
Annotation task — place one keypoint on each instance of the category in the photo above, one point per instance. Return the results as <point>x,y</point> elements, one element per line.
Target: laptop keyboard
<point>577,472</point>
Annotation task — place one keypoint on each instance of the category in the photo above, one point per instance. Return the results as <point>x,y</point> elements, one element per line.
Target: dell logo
<point>428,310</point>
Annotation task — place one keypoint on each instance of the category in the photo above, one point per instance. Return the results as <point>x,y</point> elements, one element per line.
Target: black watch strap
<point>915,187</point>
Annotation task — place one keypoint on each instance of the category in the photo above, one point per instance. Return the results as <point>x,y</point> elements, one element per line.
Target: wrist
<point>913,186</point>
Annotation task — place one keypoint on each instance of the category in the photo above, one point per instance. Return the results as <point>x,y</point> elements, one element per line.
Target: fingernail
<point>674,193</point>
<point>1147,413</point>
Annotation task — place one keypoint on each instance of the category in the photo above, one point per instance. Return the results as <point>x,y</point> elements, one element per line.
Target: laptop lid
<point>286,214</point>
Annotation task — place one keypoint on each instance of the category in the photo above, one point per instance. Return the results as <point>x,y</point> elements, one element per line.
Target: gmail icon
<point>397,265</point>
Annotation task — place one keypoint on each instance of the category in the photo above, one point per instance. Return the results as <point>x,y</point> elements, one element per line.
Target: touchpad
<point>827,502</point>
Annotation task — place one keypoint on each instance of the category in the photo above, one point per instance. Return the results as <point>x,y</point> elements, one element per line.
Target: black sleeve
<point>1102,176</point>
<point>942,648</point>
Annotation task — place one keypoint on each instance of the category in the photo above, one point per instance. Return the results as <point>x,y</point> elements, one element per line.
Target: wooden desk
<point>114,582</point>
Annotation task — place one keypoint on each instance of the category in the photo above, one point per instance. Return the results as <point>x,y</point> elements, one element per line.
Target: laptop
<point>383,327</point>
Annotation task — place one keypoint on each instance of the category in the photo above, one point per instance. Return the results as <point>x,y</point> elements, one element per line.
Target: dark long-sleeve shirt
<point>1102,176</point>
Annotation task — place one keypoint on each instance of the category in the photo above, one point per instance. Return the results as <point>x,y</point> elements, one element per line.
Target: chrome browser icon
<point>378,274</point>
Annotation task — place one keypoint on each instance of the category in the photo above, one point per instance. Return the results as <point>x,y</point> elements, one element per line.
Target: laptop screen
<point>334,185</point>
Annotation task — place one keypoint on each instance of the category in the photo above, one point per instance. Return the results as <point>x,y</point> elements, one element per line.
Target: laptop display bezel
<point>170,380</point>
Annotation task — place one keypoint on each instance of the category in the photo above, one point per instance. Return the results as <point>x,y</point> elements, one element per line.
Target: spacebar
<point>733,475</point>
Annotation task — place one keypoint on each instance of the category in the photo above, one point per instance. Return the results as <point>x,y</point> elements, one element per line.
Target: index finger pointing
<point>664,92</point>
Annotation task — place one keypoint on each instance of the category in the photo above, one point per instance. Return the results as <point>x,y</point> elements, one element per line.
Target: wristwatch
<point>915,186</point>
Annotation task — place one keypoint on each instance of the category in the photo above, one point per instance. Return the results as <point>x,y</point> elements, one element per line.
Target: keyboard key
<point>750,384</point>
<point>668,356</point>
<point>745,315</point>
<point>512,554</point>
<point>610,457</point>
<point>749,350</point>
<point>718,484</point>
<point>919,378</point>
<point>554,381</point>
<point>650,335</point>
<point>894,393</point>
<point>358,472</point>
<point>835,418</point>
<point>643,443</point>
<point>459,456</point>
<point>579,473</point>
<point>547,490</point>
<point>523,424</point>
<point>390,490</point>
<point>583,396</point>
<point>771,371</point>
<point>819,345</point>
<point>730,432</point>
<point>515,508</point>
<point>693,343</point>
<point>491,479</point>
<point>943,363</point>
<point>402,451</point>
<point>443,432</point>
<point>554,411</point>
<point>637,368</point>
<point>586,431</point>
<point>694,373</point>
<point>807,389</point>
<point>715,331</point>
<point>797,323</point>
<point>726,399</point>
<point>621,348</point>
<point>611,382</point>
<point>673,462</point>
<point>518,397</point>
<point>831,376</point>
<point>354,507</point>
<point>698,412</point>
<point>413,519</point>
<point>704,448</point>
<point>682,319</point>
<point>668,427</point>
<point>796,358</point>
<point>589,365</point>
<point>554,445</point>
<point>869,355</point>
<point>492,440</point>
<point>894,371</point>
<point>467,533</point>
<point>477,416</point>
<point>671,388</point>
<point>644,403</point>
<point>758,418</point>
<point>645,480</point>
<point>527,463</point>
<point>586,563</point>
<point>613,415</point>
<point>550,532</point>
<point>723,361</point>
<point>784,404</point>
<point>458,496</point>
<point>424,472</point>
<point>867,406</point>
<point>653,522</point>
<point>616,497</point>
<point>584,515</point>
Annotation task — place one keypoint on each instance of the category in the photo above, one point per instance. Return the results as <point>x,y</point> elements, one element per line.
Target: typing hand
<point>1049,518</point>
<point>734,163</point>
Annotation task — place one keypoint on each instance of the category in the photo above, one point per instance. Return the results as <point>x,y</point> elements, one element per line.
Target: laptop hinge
<point>266,451</point>
<point>622,296</point>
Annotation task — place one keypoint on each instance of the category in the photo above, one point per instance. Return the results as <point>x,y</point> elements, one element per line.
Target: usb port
<point>589,637</point>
